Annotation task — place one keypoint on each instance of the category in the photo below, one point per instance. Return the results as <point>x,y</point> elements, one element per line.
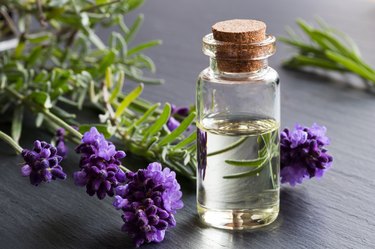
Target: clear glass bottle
<point>238,116</point>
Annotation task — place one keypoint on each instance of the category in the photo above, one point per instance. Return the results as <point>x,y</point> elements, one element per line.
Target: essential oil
<point>238,128</point>
<point>236,197</point>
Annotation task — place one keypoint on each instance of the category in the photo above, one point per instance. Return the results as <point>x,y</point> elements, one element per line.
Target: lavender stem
<point>11,142</point>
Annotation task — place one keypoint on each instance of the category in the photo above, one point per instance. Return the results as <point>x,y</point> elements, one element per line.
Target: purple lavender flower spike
<point>149,199</point>
<point>173,109</point>
<point>100,165</point>
<point>42,163</point>
<point>320,132</point>
<point>202,152</point>
<point>62,149</point>
<point>172,123</point>
<point>303,153</point>
<point>182,111</point>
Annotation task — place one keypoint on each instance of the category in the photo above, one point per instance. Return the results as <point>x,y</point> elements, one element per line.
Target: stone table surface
<point>337,211</point>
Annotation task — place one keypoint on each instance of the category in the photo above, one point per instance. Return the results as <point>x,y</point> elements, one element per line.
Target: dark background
<point>334,212</point>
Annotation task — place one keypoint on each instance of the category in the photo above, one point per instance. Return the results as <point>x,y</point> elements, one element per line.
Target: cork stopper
<point>240,48</point>
<point>239,31</point>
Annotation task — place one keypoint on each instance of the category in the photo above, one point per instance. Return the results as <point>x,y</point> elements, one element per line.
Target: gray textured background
<point>334,212</point>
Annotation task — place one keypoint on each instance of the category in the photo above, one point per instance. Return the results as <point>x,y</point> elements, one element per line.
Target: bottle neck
<point>238,68</point>
<point>235,60</point>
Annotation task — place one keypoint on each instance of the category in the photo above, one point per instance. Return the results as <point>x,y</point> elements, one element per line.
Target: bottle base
<point>242,219</point>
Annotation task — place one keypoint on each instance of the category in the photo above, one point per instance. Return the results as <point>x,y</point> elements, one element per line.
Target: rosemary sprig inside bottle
<point>327,49</point>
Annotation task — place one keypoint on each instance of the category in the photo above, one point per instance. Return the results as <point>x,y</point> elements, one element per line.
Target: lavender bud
<point>42,163</point>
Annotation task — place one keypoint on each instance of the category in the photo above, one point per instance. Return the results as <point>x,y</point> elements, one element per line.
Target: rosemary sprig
<point>268,149</point>
<point>327,49</point>
<point>64,62</point>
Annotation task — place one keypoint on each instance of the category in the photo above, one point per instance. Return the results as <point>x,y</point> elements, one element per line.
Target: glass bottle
<point>238,116</point>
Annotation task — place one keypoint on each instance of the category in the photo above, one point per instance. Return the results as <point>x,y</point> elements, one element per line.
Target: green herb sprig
<point>60,61</point>
<point>268,145</point>
<point>327,49</point>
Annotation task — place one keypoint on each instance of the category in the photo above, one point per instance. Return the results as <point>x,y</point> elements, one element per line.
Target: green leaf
<point>107,61</point>
<point>164,153</point>
<point>34,56</point>
<point>102,128</point>
<point>266,139</point>
<point>351,65</point>
<point>304,26</point>
<point>133,4</point>
<point>57,3</point>
<point>118,87</point>
<point>118,42</point>
<point>93,96</point>
<point>95,39</point>
<point>179,130</point>
<point>3,82</point>
<point>187,158</point>
<point>17,123</point>
<point>262,152</point>
<point>121,24</point>
<point>244,174</point>
<point>149,112</point>
<point>248,163</point>
<point>146,80</point>
<point>302,61</point>
<point>348,40</point>
<point>191,138</point>
<point>333,50</point>
<point>229,147</point>
<point>81,98</point>
<point>140,78</point>
<point>147,62</point>
<point>39,37</point>
<point>316,36</point>
<point>108,77</point>
<point>62,113</point>
<point>39,120</point>
<point>143,46</point>
<point>68,101</point>
<point>158,124</point>
<point>134,28</point>
<point>152,142</point>
<point>192,148</point>
<point>336,45</point>
<point>19,49</point>
<point>293,35</point>
<point>304,48</point>
<point>99,2</point>
<point>41,98</point>
<point>128,99</point>
<point>41,77</point>
<point>85,20</point>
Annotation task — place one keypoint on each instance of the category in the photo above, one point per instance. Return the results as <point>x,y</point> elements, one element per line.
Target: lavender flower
<point>149,200</point>
<point>62,150</point>
<point>202,152</point>
<point>42,163</point>
<point>100,161</point>
<point>182,111</point>
<point>172,123</point>
<point>303,153</point>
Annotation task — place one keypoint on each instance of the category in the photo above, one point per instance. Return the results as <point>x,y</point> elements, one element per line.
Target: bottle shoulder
<point>267,75</point>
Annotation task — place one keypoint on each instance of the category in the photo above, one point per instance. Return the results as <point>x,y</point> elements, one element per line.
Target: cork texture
<point>239,31</point>
<point>239,66</point>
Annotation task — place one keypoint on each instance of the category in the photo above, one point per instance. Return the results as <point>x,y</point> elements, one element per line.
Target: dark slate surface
<point>334,212</point>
